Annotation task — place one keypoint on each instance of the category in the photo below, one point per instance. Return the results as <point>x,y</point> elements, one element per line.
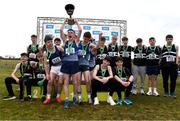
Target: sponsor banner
<point>108,31</point>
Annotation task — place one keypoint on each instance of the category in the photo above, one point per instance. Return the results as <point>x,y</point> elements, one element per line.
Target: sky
<point>145,19</point>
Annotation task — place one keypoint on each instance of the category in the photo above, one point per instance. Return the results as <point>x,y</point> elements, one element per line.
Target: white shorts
<point>56,70</point>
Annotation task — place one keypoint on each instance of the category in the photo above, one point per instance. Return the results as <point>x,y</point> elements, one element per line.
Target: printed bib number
<point>170,59</point>
<point>32,55</point>
<point>152,56</point>
<point>113,54</point>
<point>40,76</point>
<point>70,51</point>
<point>125,54</point>
<point>139,55</point>
<point>56,60</point>
<point>101,56</point>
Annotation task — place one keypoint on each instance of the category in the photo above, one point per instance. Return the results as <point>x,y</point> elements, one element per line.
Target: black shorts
<point>83,68</point>
<point>70,67</point>
<point>152,70</point>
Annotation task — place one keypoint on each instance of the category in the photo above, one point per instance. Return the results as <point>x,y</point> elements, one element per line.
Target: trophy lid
<point>69,9</point>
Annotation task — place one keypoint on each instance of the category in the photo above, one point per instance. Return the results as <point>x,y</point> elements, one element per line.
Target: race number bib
<point>101,56</point>
<point>56,60</point>
<point>170,58</point>
<point>32,55</point>
<point>40,76</point>
<point>112,54</point>
<point>83,53</point>
<point>152,56</point>
<point>125,54</point>
<point>139,55</point>
<point>70,51</point>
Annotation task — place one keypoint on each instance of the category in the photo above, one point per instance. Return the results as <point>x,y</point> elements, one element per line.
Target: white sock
<point>79,96</point>
<point>29,95</point>
<point>48,96</point>
<point>58,95</point>
<point>150,88</point>
<point>72,94</point>
<point>89,95</point>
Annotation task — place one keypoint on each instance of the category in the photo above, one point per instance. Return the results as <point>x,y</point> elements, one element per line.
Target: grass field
<point>144,107</point>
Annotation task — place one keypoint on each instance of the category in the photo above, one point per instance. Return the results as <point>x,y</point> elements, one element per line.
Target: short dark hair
<point>107,58</point>
<point>151,38</point>
<point>118,59</point>
<point>124,38</point>
<point>24,54</point>
<point>71,30</point>
<point>47,38</point>
<point>57,39</point>
<point>33,36</point>
<point>87,34</point>
<point>139,40</point>
<point>103,39</point>
<point>169,36</point>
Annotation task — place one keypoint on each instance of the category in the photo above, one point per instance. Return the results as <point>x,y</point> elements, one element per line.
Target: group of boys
<point>104,67</point>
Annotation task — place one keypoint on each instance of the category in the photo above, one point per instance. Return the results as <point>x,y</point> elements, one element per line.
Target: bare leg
<point>150,77</point>
<point>88,85</point>
<point>79,75</point>
<point>59,85</point>
<point>50,83</point>
<point>75,80</point>
<point>87,79</point>
<point>66,85</point>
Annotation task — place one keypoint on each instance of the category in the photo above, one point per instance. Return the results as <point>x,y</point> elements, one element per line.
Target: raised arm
<point>100,36</point>
<point>79,29</point>
<point>62,35</point>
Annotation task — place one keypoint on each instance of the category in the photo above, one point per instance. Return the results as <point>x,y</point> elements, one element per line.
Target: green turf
<point>144,107</point>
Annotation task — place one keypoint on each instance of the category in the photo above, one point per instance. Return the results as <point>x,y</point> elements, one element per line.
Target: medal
<point>33,48</point>
<point>83,53</point>
<point>140,52</point>
<point>119,71</point>
<point>103,71</point>
<point>69,48</point>
<point>169,48</point>
<point>112,47</point>
<point>84,48</point>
